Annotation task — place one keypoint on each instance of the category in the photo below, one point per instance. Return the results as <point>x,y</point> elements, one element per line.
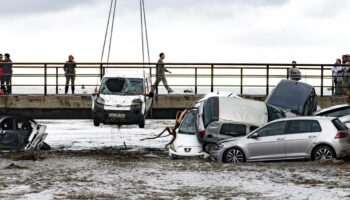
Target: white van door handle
<point>312,136</point>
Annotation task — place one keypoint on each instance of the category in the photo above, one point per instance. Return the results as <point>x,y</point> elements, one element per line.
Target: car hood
<point>121,100</point>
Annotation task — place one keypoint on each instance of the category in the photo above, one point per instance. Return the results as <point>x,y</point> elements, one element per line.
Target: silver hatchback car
<point>314,138</point>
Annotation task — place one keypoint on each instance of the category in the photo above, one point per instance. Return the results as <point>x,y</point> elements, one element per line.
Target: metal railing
<point>241,78</point>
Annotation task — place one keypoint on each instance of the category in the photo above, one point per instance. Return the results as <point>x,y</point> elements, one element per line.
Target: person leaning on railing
<point>293,72</point>
<point>69,72</point>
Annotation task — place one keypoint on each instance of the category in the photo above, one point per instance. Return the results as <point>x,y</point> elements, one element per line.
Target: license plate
<point>116,115</point>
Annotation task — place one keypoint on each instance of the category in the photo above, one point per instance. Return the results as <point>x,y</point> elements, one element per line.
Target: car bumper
<point>215,155</point>
<point>113,116</point>
<point>187,151</point>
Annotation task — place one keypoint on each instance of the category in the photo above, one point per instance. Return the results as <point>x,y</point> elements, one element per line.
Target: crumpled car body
<point>18,133</point>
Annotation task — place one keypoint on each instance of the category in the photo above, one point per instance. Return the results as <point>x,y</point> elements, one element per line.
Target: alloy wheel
<point>323,153</point>
<point>234,156</point>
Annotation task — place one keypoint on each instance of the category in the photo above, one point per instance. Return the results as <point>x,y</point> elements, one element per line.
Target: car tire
<point>96,122</point>
<point>234,155</point>
<point>173,156</point>
<point>323,153</point>
<point>207,147</point>
<point>142,124</point>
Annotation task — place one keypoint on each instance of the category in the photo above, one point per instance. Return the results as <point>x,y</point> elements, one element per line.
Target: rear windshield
<point>126,86</point>
<point>210,110</point>
<point>339,125</point>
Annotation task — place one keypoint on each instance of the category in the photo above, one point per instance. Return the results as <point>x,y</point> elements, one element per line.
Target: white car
<point>340,111</point>
<point>122,100</point>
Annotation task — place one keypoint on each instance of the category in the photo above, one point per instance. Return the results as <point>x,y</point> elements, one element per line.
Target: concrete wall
<point>79,106</point>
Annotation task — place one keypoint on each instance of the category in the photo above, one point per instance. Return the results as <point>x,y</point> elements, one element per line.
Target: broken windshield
<point>127,86</point>
<point>189,123</point>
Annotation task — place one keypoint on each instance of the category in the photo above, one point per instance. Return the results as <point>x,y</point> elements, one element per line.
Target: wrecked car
<point>18,133</point>
<point>186,142</point>
<point>122,100</point>
<point>294,97</point>
<point>340,111</point>
<point>236,117</point>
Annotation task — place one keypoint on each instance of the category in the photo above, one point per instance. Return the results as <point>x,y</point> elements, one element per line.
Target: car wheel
<point>173,156</point>
<point>142,124</point>
<point>96,122</point>
<point>207,147</point>
<point>323,153</point>
<point>234,155</point>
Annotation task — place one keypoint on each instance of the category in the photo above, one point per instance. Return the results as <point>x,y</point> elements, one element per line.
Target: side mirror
<point>254,135</point>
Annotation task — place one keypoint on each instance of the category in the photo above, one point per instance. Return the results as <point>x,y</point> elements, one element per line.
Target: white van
<point>122,100</point>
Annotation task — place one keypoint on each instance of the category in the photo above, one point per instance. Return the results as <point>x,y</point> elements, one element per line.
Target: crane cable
<point>111,7</point>
<point>144,38</point>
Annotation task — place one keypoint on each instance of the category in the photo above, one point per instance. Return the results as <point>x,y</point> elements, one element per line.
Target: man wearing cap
<point>7,74</point>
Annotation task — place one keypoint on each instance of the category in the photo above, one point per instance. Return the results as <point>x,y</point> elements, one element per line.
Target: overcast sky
<point>186,30</point>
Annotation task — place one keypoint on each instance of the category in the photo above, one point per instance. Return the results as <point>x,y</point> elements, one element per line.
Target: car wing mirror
<point>254,136</point>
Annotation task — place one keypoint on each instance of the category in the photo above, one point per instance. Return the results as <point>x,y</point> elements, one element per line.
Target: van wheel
<point>234,155</point>
<point>142,124</point>
<point>323,153</point>
<point>207,147</point>
<point>96,122</point>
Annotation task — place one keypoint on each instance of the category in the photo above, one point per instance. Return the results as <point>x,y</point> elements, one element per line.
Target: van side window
<point>235,130</point>
<point>274,113</point>
<point>303,126</point>
<point>252,128</point>
<point>210,110</point>
<point>277,128</point>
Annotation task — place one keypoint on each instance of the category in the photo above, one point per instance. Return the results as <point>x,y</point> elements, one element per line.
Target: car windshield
<point>189,123</point>
<point>336,112</point>
<point>127,86</point>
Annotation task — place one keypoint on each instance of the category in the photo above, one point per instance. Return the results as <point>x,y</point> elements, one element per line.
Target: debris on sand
<point>14,166</point>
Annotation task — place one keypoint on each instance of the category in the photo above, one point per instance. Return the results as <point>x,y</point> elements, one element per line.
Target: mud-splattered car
<point>19,133</point>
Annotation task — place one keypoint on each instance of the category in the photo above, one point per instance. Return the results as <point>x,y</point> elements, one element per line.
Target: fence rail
<point>242,78</point>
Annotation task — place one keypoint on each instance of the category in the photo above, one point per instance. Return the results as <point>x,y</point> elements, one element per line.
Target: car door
<point>300,136</point>
<point>269,143</point>
<point>9,136</point>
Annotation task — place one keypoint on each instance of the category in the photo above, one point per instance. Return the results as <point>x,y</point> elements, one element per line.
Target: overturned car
<point>19,133</point>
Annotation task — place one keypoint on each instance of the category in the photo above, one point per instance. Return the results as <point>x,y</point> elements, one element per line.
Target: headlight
<point>219,146</point>
<point>136,102</point>
<point>100,100</point>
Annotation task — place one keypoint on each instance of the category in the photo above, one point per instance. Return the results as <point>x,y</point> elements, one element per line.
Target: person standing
<point>6,74</point>
<point>336,75</point>
<point>69,72</point>
<point>1,88</point>
<point>160,74</point>
<point>293,72</point>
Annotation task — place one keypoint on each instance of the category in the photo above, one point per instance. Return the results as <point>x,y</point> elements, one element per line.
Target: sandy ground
<point>84,166</point>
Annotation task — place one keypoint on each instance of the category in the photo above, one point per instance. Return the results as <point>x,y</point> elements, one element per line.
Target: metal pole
<point>101,71</point>
<point>56,80</point>
<point>322,76</point>
<point>212,79</point>
<point>241,77</point>
<point>195,80</point>
<point>267,79</point>
<point>45,79</point>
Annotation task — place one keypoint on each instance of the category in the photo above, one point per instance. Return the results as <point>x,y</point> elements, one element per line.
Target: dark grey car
<point>220,130</point>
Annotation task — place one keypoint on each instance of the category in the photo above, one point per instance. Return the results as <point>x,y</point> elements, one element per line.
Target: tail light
<point>341,134</point>
<point>201,134</point>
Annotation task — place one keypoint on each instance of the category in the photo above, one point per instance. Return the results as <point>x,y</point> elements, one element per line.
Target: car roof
<point>331,108</point>
<point>17,117</point>
<point>305,118</point>
<point>125,74</point>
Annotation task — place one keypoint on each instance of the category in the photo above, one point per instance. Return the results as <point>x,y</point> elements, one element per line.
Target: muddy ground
<point>148,173</point>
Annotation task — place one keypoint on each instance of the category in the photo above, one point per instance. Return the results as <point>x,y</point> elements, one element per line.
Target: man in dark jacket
<point>69,71</point>
<point>7,74</point>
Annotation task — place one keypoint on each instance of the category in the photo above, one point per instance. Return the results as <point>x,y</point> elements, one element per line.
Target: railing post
<point>56,80</point>
<point>195,80</point>
<point>287,76</point>
<point>101,71</point>
<point>45,79</point>
<point>241,83</point>
<point>322,76</point>
<point>267,79</point>
<point>212,79</point>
